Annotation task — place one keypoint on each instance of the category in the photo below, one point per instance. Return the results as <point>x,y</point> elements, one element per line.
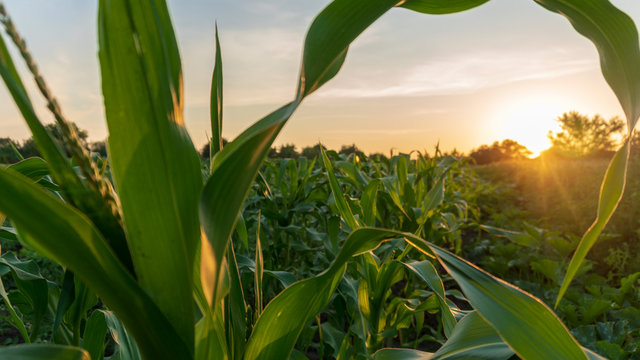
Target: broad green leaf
<point>524,322</point>
<point>216,101</point>
<point>341,203</point>
<point>94,333</point>
<point>47,221</point>
<point>401,354</point>
<point>65,299</point>
<point>14,318</point>
<point>610,195</point>
<point>427,272</point>
<point>616,38</point>
<point>236,315</point>
<point>520,238</point>
<point>259,272</point>
<point>235,167</point>
<point>211,343</point>
<point>473,338</point>
<point>31,284</point>
<point>154,164</point>
<point>440,6</point>
<point>125,345</point>
<point>330,35</point>
<point>43,352</point>
<point>434,198</point>
<point>34,168</point>
<point>277,330</point>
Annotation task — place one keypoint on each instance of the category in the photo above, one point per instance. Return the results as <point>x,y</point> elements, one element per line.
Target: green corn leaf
<point>125,345</point>
<point>283,319</point>
<point>259,272</point>
<point>154,164</point>
<point>401,354</point>
<point>216,101</point>
<point>524,322</point>
<point>427,272</point>
<point>616,38</point>
<point>211,343</point>
<point>30,283</point>
<point>520,238</point>
<point>341,203</point>
<point>236,307</point>
<point>234,168</point>
<point>368,201</point>
<point>473,338</point>
<point>94,333</point>
<point>43,352</point>
<point>34,168</point>
<point>15,319</point>
<point>47,221</point>
<point>65,299</point>
<point>440,6</point>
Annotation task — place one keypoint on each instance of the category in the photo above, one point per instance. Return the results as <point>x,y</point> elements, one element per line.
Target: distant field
<point>562,195</point>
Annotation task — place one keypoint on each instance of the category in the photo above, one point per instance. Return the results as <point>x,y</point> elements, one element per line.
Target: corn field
<point>164,256</point>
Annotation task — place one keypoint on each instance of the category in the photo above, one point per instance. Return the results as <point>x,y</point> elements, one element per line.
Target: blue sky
<point>504,70</point>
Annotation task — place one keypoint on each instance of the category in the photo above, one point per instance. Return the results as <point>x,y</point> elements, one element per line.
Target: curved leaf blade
<point>48,221</point>
<point>44,352</point>
<point>154,163</point>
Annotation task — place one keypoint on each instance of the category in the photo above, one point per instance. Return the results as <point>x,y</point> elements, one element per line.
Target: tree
<point>288,151</point>
<point>350,149</point>
<point>584,136</point>
<point>311,152</point>
<point>500,151</point>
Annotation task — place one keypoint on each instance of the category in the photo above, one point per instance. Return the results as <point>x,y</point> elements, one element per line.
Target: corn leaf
<point>277,330</point>
<point>94,334</point>
<point>154,164</point>
<point>43,352</point>
<point>216,101</point>
<point>341,203</point>
<point>235,167</point>
<point>530,328</point>
<point>427,272</point>
<point>48,222</point>
<point>440,6</point>
<point>616,38</point>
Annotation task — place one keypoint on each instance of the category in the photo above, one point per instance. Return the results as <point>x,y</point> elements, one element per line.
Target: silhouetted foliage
<point>7,152</point>
<point>311,152</point>
<point>206,149</point>
<point>350,149</point>
<point>99,147</point>
<point>500,151</point>
<point>287,151</point>
<point>584,136</point>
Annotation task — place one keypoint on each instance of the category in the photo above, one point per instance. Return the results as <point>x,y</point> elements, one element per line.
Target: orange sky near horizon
<point>507,69</point>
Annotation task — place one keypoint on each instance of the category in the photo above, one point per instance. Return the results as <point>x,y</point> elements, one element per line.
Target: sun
<point>528,121</point>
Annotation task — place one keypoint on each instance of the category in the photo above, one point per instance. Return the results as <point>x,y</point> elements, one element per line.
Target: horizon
<point>460,80</point>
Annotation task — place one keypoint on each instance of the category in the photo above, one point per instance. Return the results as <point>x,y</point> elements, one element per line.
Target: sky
<point>506,69</point>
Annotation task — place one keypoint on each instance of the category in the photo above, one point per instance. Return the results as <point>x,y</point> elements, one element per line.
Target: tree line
<point>580,136</point>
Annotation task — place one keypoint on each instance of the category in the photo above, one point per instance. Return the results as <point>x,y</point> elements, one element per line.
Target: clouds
<point>465,73</point>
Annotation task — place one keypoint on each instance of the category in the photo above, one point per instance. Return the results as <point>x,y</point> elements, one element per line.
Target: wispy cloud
<point>468,73</point>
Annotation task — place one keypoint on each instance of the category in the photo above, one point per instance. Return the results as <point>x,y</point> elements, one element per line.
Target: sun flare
<point>528,121</point>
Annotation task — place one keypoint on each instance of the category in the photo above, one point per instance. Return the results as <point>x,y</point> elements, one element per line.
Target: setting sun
<point>528,121</point>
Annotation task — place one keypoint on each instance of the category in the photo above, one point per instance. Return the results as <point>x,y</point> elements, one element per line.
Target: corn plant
<point>158,236</point>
